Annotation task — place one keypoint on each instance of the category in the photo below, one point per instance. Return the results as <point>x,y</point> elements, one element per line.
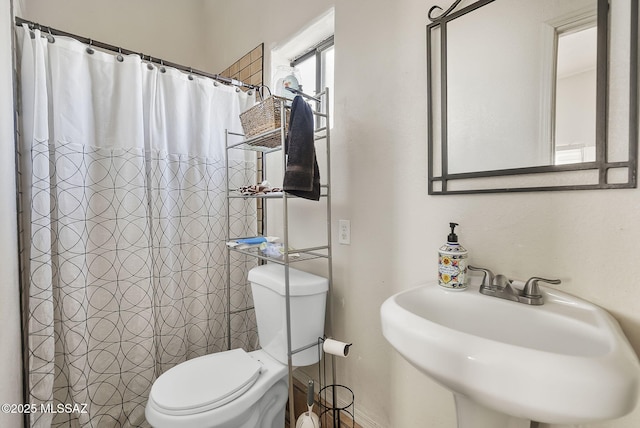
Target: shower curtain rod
<point>149,58</point>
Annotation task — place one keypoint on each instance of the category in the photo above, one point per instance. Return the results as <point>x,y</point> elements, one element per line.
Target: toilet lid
<point>205,383</point>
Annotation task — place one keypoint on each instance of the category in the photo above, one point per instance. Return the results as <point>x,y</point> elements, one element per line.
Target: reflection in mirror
<point>522,87</point>
<point>494,88</point>
<point>500,111</point>
<point>575,96</point>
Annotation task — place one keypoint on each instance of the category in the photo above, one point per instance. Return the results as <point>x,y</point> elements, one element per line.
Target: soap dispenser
<point>452,263</point>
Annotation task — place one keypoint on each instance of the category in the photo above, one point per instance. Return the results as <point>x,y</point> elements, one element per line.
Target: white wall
<point>234,28</point>
<point>166,29</point>
<point>379,177</point>
<point>10,354</point>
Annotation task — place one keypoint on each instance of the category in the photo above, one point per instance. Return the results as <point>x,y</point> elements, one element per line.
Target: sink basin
<point>565,362</point>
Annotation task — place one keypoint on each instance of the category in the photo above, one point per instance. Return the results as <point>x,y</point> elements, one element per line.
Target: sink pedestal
<point>473,415</point>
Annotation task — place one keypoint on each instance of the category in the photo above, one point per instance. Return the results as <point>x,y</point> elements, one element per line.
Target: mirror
<point>526,95</point>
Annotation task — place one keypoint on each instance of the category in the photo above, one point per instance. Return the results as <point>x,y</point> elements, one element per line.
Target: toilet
<point>239,389</point>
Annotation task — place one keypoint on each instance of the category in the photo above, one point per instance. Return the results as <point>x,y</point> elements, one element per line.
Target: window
<point>316,66</point>
<point>316,69</point>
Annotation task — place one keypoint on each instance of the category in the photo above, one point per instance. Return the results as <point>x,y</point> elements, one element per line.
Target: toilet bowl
<point>199,393</point>
<point>238,389</point>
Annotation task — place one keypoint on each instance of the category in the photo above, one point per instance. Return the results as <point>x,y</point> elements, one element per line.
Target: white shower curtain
<point>123,221</point>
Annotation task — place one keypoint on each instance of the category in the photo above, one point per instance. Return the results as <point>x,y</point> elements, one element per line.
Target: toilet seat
<point>205,383</point>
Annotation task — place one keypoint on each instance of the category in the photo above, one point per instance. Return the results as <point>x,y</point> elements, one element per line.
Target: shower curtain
<point>123,227</point>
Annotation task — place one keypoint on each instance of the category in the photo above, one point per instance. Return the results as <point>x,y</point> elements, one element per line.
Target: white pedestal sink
<point>507,363</point>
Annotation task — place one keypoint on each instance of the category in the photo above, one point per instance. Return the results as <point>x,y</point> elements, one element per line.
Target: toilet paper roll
<point>335,347</point>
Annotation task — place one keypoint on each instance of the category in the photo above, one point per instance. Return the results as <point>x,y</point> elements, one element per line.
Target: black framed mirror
<point>532,95</point>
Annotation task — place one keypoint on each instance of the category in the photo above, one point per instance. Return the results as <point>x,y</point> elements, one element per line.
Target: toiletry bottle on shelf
<point>452,263</point>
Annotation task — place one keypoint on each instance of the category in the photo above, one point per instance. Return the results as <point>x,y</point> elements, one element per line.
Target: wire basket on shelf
<point>264,117</point>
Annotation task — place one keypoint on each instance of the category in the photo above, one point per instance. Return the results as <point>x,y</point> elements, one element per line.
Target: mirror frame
<point>440,184</point>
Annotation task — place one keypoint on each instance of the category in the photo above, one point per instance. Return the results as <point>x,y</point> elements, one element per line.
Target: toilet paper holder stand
<point>334,409</point>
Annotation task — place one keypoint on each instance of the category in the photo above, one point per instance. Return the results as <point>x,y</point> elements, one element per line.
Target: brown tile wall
<point>249,68</point>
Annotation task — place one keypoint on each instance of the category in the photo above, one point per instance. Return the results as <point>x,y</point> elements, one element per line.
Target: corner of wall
<point>10,334</point>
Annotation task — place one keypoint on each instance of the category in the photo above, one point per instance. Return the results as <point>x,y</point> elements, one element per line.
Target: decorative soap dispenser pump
<point>452,263</point>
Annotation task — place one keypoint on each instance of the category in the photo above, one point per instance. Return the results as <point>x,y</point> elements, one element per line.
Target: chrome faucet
<point>502,287</point>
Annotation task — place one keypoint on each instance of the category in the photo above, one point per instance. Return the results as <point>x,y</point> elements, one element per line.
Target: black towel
<point>302,175</point>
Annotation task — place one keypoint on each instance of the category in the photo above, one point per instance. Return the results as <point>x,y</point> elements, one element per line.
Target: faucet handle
<point>531,286</point>
<point>489,277</point>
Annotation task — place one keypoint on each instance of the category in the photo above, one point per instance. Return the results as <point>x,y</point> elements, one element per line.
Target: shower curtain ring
<point>119,57</point>
<point>150,63</point>
<point>190,73</point>
<point>89,48</point>
<point>162,69</point>
<point>32,29</point>
<point>50,37</point>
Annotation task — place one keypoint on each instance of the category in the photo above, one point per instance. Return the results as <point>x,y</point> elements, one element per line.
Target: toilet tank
<point>308,297</point>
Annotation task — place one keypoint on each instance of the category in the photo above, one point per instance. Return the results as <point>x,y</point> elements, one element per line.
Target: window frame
<point>317,51</point>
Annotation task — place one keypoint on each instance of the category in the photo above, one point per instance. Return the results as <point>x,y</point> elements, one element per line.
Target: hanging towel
<point>302,175</point>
